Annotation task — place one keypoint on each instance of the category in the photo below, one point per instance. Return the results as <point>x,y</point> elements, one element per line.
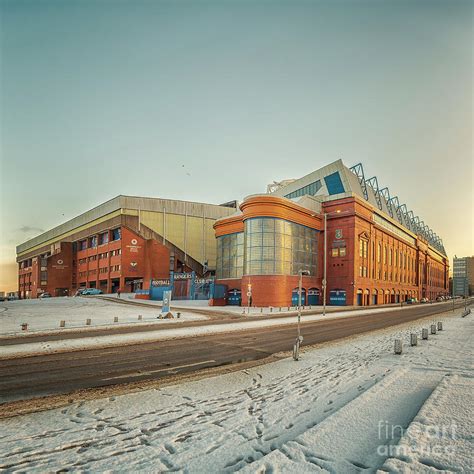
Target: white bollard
<point>440,326</point>
<point>62,323</point>
<point>88,321</point>
<point>424,333</point>
<point>115,319</point>
<point>140,317</point>
<point>413,339</point>
<point>433,329</point>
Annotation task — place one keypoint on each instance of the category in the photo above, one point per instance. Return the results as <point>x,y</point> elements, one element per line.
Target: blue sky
<point>210,101</point>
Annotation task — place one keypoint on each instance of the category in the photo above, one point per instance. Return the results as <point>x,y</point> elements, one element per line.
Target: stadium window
<point>104,238</point>
<point>116,234</point>
<point>310,189</point>
<point>334,183</point>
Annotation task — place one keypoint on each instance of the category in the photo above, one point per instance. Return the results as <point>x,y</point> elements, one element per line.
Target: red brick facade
<point>128,262</point>
<point>371,258</point>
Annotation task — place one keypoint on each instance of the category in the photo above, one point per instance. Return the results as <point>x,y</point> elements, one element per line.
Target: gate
<point>234,297</point>
<point>294,297</point>
<point>313,296</point>
<point>337,297</point>
<point>203,288</point>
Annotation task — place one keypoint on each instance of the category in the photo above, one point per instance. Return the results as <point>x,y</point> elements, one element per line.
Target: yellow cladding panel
<point>174,228</point>
<point>197,228</point>
<point>153,220</point>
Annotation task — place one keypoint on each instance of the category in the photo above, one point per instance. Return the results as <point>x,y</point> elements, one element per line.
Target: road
<point>31,377</point>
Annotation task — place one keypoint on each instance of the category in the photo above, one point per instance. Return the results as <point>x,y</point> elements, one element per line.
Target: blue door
<point>337,297</point>
<point>294,297</point>
<point>313,296</point>
<point>234,297</point>
<point>359,299</point>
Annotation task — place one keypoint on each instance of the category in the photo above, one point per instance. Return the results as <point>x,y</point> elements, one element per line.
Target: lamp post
<point>299,338</point>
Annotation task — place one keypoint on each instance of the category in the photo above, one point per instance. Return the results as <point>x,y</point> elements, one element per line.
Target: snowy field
<point>344,407</point>
<point>45,314</point>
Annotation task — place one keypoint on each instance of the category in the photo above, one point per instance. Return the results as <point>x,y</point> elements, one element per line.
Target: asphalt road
<point>36,376</point>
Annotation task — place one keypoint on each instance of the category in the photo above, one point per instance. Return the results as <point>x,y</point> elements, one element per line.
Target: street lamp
<point>299,338</point>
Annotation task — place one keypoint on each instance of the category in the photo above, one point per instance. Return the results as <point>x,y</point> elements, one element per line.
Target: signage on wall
<point>338,233</point>
<point>182,276</point>
<point>59,265</point>
<point>203,280</point>
<point>133,247</point>
<point>164,282</point>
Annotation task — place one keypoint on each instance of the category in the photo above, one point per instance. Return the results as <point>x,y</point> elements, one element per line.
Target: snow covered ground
<point>344,407</point>
<point>65,345</point>
<point>45,314</point>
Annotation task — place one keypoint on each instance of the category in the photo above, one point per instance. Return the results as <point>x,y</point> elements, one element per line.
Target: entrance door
<point>359,299</point>
<point>294,297</point>
<point>234,297</point>
<point>337,297</point>
<point>313,296</point>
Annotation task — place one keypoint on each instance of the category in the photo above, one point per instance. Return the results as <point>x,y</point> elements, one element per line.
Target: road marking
<point>168,369</point>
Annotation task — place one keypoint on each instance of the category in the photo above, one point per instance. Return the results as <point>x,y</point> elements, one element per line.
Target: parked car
<point>424,300</point>
<point>92,291</point>
<point>79,291</point>
<point>439,298</point>
<point>45,295</point>
<point>411,300</point>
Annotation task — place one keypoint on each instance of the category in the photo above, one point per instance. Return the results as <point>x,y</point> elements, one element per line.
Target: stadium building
<point>124,243</point>
<point>377,251</point>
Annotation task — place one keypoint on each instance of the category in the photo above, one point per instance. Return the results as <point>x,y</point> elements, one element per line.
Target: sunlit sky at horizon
<point>211,101</point>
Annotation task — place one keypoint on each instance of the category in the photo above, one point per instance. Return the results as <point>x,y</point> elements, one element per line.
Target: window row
<point>310,189</point>
<point>100,256</point>
<point>100,239</point>
<point>113,268</point>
